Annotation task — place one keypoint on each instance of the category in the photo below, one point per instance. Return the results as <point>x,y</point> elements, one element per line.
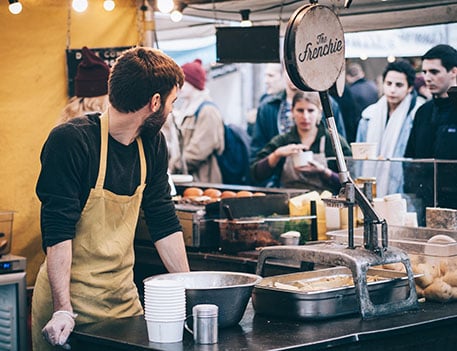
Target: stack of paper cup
<point>164,310</point>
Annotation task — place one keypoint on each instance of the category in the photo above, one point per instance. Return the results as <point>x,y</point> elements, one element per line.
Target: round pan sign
<point>314,48</point>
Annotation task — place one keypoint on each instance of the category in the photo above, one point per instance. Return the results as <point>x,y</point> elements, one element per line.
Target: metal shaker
<point>205,323</point>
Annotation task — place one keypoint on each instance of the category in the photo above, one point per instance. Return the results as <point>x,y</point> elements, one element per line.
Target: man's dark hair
<point>401,67</point>
<point>138,74</point>
<point>446,53</point>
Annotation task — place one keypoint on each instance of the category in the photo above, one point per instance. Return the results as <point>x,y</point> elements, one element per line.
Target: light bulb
<point>391,58</point>
<point>79,5</point>
<point>176,16</point>
<point>109,5</point>
<point>246,23</point>
<point>15,8</point>
<point>165,6</point>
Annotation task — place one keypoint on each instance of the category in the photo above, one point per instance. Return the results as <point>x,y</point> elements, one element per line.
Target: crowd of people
<point>363,113</point>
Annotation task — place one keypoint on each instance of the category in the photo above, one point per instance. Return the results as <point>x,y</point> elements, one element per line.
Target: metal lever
<point>371,217</point>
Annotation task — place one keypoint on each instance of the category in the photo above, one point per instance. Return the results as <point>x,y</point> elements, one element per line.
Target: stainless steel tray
<point>269,299</point>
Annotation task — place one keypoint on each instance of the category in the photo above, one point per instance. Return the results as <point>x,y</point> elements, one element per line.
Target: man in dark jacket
<point>434,132</point>
<point>364,91</point>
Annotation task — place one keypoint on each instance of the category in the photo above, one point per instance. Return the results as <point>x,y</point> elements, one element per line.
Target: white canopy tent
<point>202,16</point>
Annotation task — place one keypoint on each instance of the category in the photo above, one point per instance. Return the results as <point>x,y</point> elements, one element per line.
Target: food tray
<point>324,302</point>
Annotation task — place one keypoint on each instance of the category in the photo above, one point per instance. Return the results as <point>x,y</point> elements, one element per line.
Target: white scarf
<point>386,136</point>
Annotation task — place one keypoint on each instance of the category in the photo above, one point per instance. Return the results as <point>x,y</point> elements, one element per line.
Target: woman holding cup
<point>297,159</point>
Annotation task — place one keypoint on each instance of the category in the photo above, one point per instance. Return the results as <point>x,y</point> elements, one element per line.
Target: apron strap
<point>322,145</point>
<point>104,126</point>
<point>143,167</point>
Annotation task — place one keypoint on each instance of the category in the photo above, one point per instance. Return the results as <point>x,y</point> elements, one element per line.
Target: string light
<point>176,14</point>
<point>165,6</point>
<point>245,21</point>
<point>109,5</point>
<point>79,5</point>
<point>15,7</point>
<point>391,58</point>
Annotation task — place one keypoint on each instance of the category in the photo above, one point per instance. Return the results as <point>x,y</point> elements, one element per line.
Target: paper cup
<point>160,284</point>
<point>163,318</point>
<point>302,158</point>
<point>165,331</point>
<point>364,151</point>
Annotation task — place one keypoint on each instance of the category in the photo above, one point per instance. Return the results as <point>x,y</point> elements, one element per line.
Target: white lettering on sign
<point>323,47</point>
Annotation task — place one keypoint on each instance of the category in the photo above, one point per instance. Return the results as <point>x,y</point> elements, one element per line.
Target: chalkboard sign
<point>74,57</point>
<point>258,44</point>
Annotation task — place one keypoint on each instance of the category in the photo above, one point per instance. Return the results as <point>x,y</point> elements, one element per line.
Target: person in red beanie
<point>201,128</point>
<point>91,87</point>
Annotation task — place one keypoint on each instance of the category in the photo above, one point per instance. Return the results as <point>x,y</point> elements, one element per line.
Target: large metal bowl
<point>230,291</point>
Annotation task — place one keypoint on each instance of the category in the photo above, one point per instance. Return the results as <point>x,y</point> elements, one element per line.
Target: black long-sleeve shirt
<point>70,161</point>
<point>434,135</point>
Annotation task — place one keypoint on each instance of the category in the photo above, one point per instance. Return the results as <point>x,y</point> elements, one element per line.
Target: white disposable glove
<point>58,329</point>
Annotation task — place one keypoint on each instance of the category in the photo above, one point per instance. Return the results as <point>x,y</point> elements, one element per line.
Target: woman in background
<point>308,134</point>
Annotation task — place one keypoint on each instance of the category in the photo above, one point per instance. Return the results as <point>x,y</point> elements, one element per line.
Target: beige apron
<point>102,283</point>
<point>290,178</point>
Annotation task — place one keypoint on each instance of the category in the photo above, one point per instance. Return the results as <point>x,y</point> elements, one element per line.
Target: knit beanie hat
<point>195,74</point>
<point>91,75</point>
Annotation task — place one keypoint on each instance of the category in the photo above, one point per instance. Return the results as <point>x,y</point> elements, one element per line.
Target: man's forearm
<point>172,251</point>
<point>59,259</point>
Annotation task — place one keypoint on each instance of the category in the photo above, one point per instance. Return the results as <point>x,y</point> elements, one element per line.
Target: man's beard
<point>154,123</point>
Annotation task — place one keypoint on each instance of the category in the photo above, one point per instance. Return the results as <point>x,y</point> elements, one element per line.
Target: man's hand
<point>58,329</point>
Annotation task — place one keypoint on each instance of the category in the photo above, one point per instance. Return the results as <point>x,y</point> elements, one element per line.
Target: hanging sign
<point>314,48</point>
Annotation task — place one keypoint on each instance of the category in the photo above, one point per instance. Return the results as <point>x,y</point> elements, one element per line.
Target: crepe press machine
<point>314,60</point>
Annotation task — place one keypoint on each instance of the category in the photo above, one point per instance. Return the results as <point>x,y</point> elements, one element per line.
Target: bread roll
<point>244,193</point>
<point>192,192</point>
<point>212,193</point>
<point>228,194</point>
<point>429,274</point>
<point>451,278</point>
<point>438,291</point>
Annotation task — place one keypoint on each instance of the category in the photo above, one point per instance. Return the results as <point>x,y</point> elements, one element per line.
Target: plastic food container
<point>433,254</point>
<point>364,151</point>
<point>250,233</point>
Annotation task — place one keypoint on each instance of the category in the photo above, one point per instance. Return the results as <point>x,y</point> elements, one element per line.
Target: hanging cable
<point>69,24</point>
<point>280,13</point>
<point>140,20</point>
<point>213,3</point>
